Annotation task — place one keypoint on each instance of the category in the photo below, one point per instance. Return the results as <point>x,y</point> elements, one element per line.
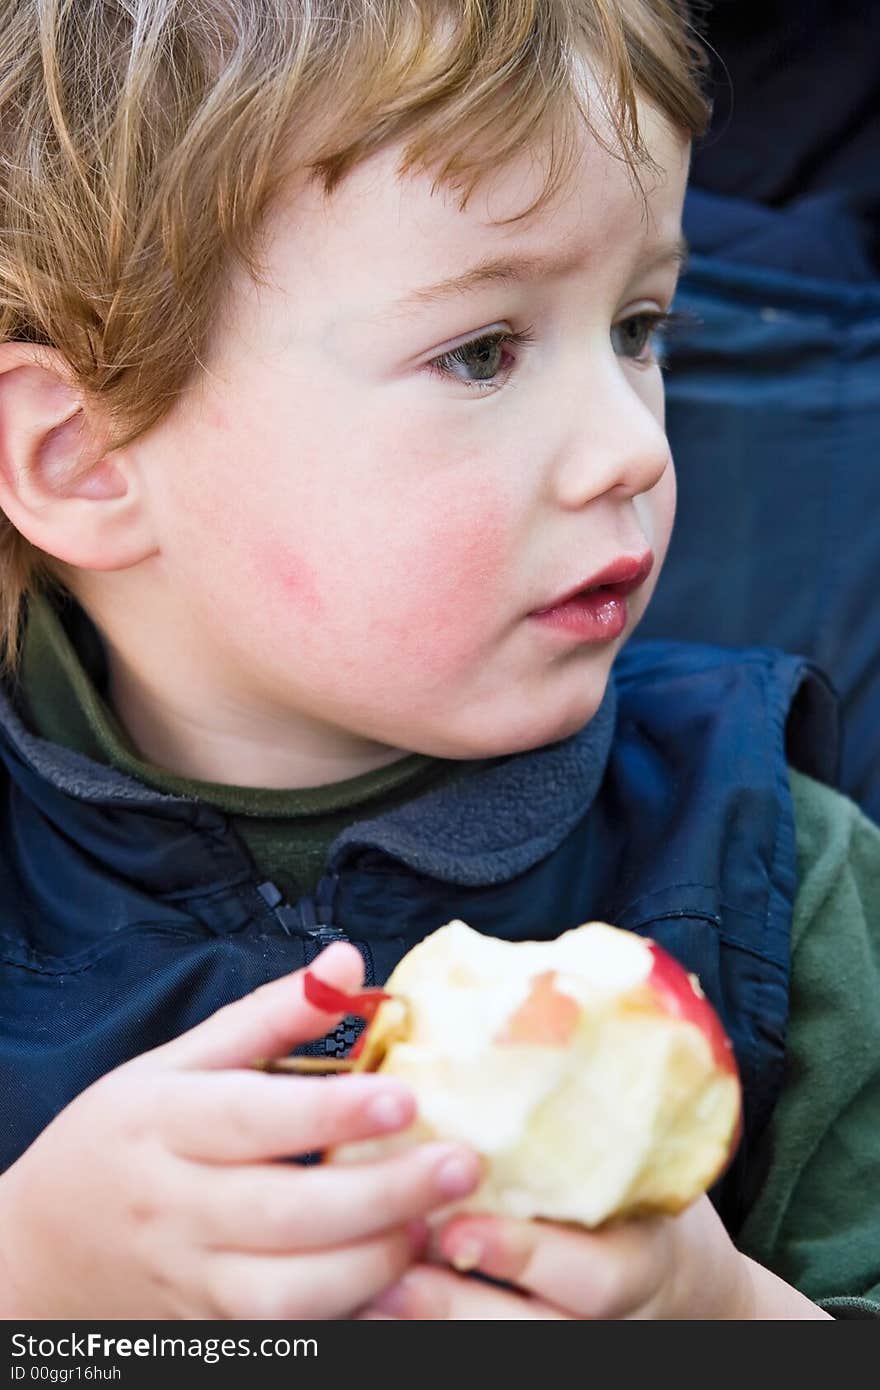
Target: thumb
<point>268,1022</point>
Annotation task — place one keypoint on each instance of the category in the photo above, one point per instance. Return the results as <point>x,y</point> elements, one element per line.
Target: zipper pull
<point>315,916</point>
<point>306,919</point>
<point>326,933</point>
<point>284,915</point>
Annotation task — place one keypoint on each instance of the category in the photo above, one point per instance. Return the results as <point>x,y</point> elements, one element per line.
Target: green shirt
<point>816,1220</point>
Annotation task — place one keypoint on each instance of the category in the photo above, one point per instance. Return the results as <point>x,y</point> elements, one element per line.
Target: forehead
<point>384,238</point>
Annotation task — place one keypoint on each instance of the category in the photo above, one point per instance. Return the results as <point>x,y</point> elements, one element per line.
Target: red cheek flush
<point>440,582</point>
<point>287,574</point>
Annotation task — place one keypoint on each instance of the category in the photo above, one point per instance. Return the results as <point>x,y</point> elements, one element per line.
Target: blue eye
<point>485,363</point>
<point>482,361</point>
<point>634,337</point>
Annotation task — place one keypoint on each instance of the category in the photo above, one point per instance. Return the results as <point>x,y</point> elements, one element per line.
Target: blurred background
<point>774,398</point>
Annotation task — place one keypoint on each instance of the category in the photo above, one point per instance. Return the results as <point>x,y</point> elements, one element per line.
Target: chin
<point>563,728</point>
<point>565,718</point>
<point>507,736</point>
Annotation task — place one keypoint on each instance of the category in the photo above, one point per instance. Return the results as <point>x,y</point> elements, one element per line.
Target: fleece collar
<point>479,830</point>
<point>490,827</point>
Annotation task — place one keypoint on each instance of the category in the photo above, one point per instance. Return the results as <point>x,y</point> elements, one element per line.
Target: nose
<point>615,440</point>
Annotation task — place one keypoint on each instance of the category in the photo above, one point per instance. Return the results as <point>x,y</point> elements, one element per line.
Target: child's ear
<point>59,487</point>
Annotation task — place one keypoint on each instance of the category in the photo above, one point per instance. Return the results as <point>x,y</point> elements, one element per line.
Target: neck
<point>231,747</point>
<point>185,710</point>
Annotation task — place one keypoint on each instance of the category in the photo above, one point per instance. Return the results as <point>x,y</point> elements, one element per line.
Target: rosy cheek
<point>420,585</point>
<point>450,584</point>
<point>465,563</point>
<point>288,576</point>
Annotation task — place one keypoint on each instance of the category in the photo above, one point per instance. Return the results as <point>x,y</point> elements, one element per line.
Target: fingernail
<point>388,1111</point>
<point>457,1174</point>
<point>467,1255</point>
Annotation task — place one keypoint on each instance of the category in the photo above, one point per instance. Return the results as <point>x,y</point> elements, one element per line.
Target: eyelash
<point>657,323</point>
<point>443,365</point>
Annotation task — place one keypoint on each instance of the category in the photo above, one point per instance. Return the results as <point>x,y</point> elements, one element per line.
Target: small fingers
<point>330,1283</point>
<point>427,1294</point>
<point>250,1116</point>
<point>608,1273</point>
<point>278,1208</point>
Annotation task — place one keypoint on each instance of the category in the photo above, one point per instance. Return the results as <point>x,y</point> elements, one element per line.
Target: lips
<point>616,580</point>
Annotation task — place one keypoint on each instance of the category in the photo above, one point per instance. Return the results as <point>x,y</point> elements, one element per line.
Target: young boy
<point>334,480</point>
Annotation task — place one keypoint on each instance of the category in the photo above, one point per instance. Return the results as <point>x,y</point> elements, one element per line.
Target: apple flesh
<point>590,1072</point>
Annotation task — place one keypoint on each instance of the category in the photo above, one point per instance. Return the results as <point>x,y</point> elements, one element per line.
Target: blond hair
<point>143,141</point>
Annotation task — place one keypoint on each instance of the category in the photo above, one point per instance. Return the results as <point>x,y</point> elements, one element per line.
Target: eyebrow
<point>516,269</point>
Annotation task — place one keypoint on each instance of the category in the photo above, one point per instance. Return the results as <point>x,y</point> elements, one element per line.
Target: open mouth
<point>615,581</point>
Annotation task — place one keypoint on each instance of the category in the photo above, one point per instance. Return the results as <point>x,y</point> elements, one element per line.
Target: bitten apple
<point>590,1071</point>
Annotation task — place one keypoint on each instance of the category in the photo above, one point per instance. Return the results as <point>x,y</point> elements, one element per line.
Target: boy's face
<point>365,537</point>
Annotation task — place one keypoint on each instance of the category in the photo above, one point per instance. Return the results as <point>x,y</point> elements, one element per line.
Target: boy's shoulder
<point>838,858</point>
<point>754,700</point>
<point>811,1221</point>
<point>829,822</point>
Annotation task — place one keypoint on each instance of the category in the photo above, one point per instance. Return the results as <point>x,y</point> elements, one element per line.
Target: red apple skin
<point>675,994</point>
<point>330,1000</point>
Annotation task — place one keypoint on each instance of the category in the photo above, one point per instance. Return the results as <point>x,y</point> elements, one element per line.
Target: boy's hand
<point>659,1267</point>
<point>154,1193</point>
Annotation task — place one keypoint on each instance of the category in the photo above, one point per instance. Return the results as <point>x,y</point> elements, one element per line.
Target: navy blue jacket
<point>127,916</point>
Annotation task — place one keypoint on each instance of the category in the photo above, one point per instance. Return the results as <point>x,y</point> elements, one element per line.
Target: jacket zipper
<point>312,918</point>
